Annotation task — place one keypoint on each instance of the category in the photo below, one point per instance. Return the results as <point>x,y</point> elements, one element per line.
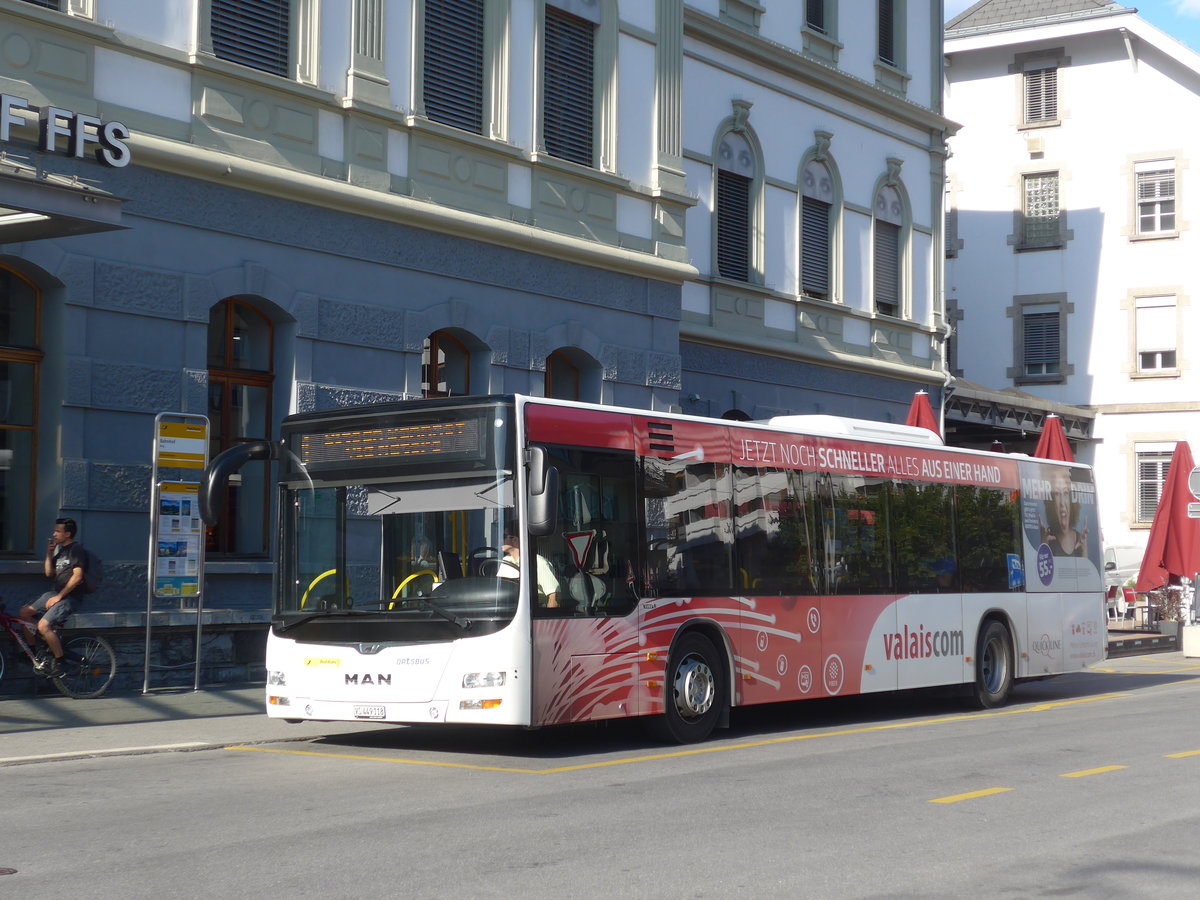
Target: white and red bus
<point>678,566</point>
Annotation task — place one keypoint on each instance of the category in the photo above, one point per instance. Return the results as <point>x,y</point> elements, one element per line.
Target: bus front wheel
<point>693,691</point>
<point>993,666</point>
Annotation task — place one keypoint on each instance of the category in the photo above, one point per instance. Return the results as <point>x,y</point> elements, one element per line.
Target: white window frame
<point>1159,178</point>
<point>1156,335</point>
<point>1156,457</point>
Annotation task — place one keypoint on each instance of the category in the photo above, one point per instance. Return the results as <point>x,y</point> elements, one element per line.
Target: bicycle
<point>89,664</point>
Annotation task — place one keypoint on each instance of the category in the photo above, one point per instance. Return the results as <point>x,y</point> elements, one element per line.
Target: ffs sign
<point>64,131</point>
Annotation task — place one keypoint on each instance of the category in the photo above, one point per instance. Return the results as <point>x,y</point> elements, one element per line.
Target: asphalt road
<point>1088,785</point>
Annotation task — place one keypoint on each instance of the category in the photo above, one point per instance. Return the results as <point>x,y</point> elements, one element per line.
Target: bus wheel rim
<point>993,666</point>
<point>695,688</point>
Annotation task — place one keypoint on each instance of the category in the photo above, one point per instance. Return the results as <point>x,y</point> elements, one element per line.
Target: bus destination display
<point>457,440</point>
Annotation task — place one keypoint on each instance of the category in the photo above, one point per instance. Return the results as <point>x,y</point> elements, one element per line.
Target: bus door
<point>584,626</point>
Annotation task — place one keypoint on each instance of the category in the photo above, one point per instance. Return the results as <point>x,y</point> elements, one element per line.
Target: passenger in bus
<point>944,575</point>
<point>1061,531</point>
<point>547,581</point>
<point>422,554</point>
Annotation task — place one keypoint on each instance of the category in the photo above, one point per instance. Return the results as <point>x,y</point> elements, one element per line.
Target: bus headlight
<point>483,680</point>
<point>277,677</point>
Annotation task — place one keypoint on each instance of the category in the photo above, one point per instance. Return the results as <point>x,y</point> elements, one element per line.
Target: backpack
<point>93,571</point>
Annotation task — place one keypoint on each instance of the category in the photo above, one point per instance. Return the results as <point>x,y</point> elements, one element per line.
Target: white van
<point>1121,563</point>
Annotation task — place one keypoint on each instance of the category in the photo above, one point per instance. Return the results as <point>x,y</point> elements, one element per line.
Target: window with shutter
<point>569,87</point>
<point>1041,95</point>
<point>1042,350</point>
<point>252,33</point>
<point>887,32</point>
<point>1041,210</point>
<point>453,73</point>
<point>889,220</point>
<point>1155,198</point>
<point>814,15</point>
<point>887,268</point>
<point>814,248</point>
<point>733,225</point>
<point>816,217</point>
<point>1152,466</point>
<point>1156,335</point>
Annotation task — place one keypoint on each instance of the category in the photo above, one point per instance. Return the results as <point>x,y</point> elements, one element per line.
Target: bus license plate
<point>369,712</point>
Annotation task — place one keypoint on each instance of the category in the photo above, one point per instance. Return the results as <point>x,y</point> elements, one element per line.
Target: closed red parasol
<point>1174,545</point>
<point>1053,442</point>
<point>920,413</point>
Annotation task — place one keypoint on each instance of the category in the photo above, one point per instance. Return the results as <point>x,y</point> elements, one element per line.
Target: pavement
<point>43,729</point>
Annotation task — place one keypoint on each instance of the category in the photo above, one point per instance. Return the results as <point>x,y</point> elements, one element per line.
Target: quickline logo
<point>920,643</point>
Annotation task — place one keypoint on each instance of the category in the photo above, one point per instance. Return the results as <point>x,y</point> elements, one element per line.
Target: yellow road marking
<point>970,795</point>
<point>1184,754</point>
<point>693,751</point>
<point>1083,773</point>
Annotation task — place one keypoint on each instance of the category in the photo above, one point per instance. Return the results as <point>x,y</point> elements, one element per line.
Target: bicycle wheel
<point>89,667</point>
<point>1,663</point>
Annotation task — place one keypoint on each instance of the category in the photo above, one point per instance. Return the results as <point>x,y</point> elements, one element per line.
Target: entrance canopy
<point>36,204</point>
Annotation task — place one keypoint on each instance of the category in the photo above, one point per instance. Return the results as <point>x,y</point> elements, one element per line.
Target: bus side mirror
<point>216,476</point>
<point>543,493</point>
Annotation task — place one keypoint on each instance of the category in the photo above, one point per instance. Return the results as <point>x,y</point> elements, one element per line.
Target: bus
<point>675,567</point>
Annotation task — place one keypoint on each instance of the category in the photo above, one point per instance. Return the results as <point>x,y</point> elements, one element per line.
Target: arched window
<point>889,251</point>
<point>562,377</point>
<point>816,229</point>
<point>445,366</point>
<point>736,170</point>
<point>241,365</point>
<point>20,374</point>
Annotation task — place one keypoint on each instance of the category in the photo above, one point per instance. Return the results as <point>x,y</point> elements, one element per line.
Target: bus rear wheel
<point>693,700</point>
<point>993,666</point>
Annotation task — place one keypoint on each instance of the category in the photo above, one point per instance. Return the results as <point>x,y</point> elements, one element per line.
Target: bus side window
<point>689,527</point>
<point>855,524</point>
<point>923,538</point>
<point>989,532</point>
<point>775,532</point>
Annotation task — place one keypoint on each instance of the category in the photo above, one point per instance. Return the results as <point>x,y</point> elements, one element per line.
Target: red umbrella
<point>920,413</point>
<point>1174,545</point>
<point>1053,442</point>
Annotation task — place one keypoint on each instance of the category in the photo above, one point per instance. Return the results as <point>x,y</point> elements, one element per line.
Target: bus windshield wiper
<point>462,623</point>
<point>319,614</point>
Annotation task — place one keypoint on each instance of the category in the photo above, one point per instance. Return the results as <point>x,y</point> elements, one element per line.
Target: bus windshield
<point>393,554</point>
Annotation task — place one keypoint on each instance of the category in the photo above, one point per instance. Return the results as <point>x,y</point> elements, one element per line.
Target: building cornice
<point>765,346</point>
<point>249,175</point>
<point>790,64</point>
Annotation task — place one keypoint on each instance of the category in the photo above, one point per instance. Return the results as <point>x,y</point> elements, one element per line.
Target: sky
<point>1178,18</point>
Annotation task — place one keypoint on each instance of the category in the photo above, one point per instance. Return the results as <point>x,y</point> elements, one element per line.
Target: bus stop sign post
<point>176,553</point>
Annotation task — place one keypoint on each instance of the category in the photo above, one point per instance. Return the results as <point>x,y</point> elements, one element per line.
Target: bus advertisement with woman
<point>519,561</point>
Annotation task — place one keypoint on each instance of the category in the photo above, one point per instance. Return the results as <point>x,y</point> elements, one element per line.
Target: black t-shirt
<point>66,560</point>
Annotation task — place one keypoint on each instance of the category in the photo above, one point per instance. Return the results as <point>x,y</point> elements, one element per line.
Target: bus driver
<point>547,581</point>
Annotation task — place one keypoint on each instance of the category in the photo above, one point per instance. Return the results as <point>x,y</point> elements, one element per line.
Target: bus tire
<point>993,666</point>
<point>693,693</point>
